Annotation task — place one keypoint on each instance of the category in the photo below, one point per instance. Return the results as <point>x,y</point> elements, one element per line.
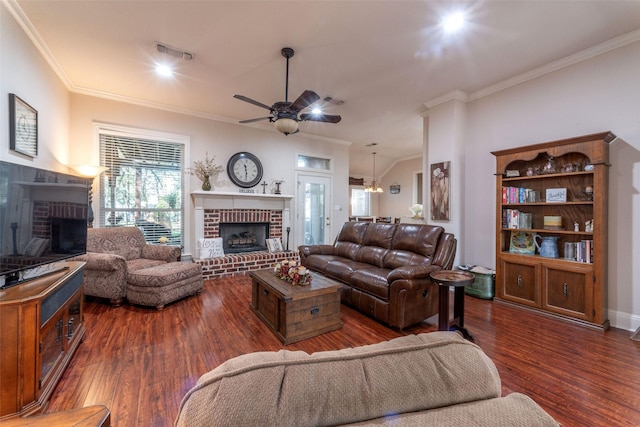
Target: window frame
<point>367,197</point>
<point>144,134</point>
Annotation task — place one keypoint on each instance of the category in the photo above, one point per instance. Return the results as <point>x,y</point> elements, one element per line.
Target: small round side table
<point>457,279</point>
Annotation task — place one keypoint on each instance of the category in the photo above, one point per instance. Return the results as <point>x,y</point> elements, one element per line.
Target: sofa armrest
<point>411,272</point>
<point>166,253</point>
<point>306,250</point>
<point>445,251</point>
<point>102,262</point>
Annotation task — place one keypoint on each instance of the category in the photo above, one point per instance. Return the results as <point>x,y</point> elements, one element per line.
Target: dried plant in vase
<point>206,170</point>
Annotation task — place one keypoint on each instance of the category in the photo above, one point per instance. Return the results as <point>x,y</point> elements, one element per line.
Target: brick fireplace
<point>215,208</point>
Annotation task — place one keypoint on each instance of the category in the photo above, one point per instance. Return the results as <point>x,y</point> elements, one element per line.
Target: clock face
<point>244,170</point>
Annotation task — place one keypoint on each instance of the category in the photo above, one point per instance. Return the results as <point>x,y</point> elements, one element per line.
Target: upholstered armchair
<point>112,253</point>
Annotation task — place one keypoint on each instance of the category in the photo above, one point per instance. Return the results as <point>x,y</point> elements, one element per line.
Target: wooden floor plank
<point>139,362</point>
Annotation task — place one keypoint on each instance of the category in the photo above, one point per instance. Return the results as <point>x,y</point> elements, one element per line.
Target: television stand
<point>45,317</point>
<point>34,273</point>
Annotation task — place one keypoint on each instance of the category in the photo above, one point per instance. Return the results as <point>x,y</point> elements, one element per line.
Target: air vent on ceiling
<point>174,51</point>
<point>333,101</point>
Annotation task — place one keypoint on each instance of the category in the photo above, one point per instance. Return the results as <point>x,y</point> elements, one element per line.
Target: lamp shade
<point>286,125</point>
<point>89,171</point>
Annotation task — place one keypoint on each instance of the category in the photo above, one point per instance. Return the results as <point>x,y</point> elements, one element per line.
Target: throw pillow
<point>211,248</point>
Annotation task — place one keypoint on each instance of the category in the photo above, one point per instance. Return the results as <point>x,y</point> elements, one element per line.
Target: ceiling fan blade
<point>255,120</point>
<point>327,118</point>
<point>251,101</point>
<point>307,98</point>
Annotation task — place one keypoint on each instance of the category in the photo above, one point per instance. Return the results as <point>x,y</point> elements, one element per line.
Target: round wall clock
<point>244,170</point>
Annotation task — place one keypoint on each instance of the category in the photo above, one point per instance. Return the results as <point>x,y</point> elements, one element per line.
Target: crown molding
<point>454,95</point>
<point>28,28</point>
<point>583,55</point>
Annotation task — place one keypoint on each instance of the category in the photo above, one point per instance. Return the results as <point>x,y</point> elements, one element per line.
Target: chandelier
<point>374,187</point>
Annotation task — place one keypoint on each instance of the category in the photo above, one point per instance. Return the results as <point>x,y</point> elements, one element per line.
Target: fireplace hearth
<point>241,237</point>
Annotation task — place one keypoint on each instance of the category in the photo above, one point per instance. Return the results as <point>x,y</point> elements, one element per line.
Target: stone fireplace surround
<point>212,208</point>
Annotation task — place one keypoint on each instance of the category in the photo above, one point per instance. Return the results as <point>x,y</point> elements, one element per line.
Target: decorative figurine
<point>576,226</point>
<point>588,226</point>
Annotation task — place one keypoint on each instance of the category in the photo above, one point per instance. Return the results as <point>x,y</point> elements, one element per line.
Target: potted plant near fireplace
<point>207,170</point>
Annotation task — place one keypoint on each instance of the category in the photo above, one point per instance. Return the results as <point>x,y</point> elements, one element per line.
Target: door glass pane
<point>314,219</point>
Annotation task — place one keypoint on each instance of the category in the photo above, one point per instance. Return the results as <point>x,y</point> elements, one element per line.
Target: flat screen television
<point>43,220</point>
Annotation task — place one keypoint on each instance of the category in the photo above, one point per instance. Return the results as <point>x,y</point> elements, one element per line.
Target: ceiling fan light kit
<point>285,115</point>
<point>286,125</point>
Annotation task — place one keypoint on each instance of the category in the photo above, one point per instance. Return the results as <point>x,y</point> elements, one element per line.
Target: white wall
<point>403,173</point>
<point>599,94</point>
<point>25,73</point>
<point>276,151</point>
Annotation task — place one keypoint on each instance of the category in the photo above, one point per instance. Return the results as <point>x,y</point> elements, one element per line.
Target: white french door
<point>313,213</point>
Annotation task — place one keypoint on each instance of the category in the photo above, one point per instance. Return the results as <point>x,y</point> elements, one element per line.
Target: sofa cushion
<point>140,263</point>
<point>398,258</point>
<point>163,274</point>
<point>376,243</point>
<point>319,262</point>
<point>126,241</point>
<point>343,268</point>
<point>350,239</point>
<point>292,388</point>
<point>372,280</point>
<point>417,238</point>
<point>515,409</point>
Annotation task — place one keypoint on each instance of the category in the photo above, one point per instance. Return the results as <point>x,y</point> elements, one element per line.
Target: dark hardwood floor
<point>140,362</point>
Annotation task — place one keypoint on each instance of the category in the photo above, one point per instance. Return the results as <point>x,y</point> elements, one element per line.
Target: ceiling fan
<point>285,115</point>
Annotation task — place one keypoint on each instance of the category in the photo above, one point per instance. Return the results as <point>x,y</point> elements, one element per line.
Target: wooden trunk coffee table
<point>295,313</point>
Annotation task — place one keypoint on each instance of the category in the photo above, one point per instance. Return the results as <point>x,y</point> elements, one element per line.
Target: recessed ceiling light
<point>453,22</point>
<point>164,70</point>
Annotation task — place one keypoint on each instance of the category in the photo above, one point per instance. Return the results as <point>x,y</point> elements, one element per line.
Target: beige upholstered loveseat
<point>431,379</point>
<point>113,253</point>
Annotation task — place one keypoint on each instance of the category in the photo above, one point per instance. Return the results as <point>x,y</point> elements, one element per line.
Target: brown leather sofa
<point>386,268</point>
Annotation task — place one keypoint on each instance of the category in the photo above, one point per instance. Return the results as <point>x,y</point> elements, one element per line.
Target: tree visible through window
<point>143,186</point>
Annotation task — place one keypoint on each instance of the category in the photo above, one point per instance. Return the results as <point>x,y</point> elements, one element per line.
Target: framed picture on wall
<point>440,201</point>
<point>23,127</point>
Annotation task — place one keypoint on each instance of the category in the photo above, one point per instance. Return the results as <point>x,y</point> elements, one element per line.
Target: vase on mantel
<point>206,184</point>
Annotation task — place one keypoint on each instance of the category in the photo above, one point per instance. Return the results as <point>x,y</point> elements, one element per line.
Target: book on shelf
<point>513,218</point>
<point>584,251</point>
<point>519,195</point>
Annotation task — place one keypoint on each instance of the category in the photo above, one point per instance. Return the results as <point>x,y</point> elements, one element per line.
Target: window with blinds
<point>143,186</point>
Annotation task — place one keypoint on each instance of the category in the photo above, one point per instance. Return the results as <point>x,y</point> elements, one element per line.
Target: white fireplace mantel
<point>231,200</point>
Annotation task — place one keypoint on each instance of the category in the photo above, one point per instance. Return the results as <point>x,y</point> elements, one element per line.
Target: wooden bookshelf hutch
<point>563,286</point>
